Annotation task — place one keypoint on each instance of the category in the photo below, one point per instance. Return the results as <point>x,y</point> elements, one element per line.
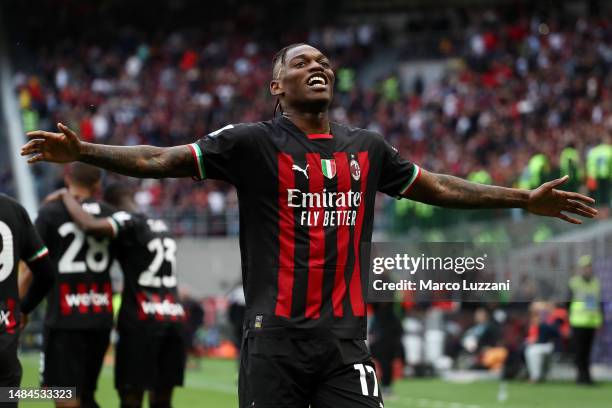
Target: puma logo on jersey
<point>4,318</point>
<point>298,168</point>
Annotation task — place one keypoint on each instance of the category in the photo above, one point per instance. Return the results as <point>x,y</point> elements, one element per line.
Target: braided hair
<point>277,67</point>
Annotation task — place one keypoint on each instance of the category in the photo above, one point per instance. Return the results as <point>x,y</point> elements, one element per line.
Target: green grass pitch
<point>215,384</point>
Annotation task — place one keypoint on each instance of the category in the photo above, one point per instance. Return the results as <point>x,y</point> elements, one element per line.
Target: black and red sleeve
<point>398,175</point>
<point>32,246</point>
<point>36,255</point>
<point>220,155</point>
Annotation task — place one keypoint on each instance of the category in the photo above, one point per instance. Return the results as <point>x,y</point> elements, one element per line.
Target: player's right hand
<point>61,147</point>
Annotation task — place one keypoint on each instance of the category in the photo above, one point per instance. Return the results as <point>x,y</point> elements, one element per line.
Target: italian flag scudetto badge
<point>328,166</point>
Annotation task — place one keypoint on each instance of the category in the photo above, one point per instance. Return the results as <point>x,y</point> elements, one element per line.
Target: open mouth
<point>317,81</point>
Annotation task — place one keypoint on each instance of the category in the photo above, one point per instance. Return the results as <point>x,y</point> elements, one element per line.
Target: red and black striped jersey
<point>306,208</point>
<point>146,252</point>
<point>18,241</point>
<point>82,295</point>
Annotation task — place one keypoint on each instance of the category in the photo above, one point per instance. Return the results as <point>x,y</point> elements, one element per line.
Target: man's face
<point>306,79</point>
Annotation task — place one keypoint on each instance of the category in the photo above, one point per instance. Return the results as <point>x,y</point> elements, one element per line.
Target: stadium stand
<point>503,111</point>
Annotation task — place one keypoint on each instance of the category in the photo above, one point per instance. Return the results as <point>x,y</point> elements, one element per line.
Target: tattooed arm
<point>452,192</point>
<point>140,161</point>
<point>134,161</point>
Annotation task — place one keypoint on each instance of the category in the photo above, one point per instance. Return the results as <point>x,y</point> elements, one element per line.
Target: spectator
<point>540,342</point>
<point>585,316</point>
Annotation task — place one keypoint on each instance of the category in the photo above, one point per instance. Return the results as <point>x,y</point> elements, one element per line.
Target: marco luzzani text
<point>404,263</point>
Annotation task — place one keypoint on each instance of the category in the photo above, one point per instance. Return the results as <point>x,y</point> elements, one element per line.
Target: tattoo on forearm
<point>459,193</point>
<point>140,161</point>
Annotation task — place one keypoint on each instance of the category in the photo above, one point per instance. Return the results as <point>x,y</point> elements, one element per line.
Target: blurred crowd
<point>522,100</point>
<point>526,101</point>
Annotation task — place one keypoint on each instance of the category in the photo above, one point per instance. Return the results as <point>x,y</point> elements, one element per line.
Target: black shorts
<point>285,372</point>
<point>150,359</point>
<point>10,369</point>
<point>73,358</point>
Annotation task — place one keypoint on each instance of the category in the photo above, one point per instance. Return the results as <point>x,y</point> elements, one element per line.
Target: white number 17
<point>362,378</point>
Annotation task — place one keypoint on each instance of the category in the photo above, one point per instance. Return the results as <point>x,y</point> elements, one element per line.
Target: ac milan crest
<point>355,169</point>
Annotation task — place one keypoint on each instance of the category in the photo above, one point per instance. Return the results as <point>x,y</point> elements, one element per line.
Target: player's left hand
<point>546,200</point>
<point>54,196</point>
<point>61,147</point>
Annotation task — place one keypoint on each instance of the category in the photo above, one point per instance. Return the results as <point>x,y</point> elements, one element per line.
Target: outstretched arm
<point>134,161</point>
<point>452,192</point>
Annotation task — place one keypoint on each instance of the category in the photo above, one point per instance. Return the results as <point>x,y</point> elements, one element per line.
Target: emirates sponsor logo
<point>325,199</point>
<point>321,209</point>
<point>90,298</point>
<point>164,308</point>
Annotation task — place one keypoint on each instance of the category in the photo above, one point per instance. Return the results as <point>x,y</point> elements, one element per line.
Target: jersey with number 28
<point>82,295</point>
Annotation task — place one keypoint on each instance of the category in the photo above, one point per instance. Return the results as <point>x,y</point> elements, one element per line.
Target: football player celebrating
<point>306,189</point>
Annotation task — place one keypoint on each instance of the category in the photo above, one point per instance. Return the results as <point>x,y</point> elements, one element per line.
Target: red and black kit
<point>150,351</point>
<point>79,307</point>
<point>306,208</point>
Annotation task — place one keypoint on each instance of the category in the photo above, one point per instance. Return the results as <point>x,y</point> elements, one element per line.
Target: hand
<point>24,321</point>
<point>545,200</point>
<point>61,147</point>
<point>54,196</point>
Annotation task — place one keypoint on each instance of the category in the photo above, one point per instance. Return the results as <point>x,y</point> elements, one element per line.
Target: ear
<point>276,88</point>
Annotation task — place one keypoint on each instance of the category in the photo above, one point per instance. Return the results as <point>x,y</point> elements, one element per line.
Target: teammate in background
<point>19,241</point>
<point>306,189</point>
<point>79,311</point>
<point>150,353</point>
